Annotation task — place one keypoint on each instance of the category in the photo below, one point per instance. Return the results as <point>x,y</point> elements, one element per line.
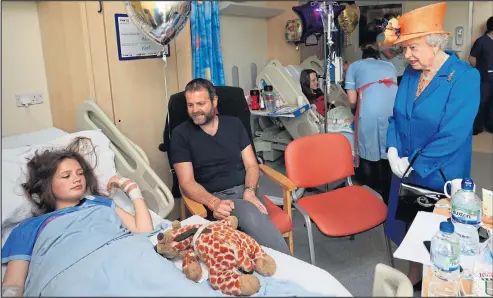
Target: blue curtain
<point>206,42</point>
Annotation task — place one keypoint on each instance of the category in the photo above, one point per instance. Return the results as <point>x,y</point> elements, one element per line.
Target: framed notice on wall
<point>133,44</point>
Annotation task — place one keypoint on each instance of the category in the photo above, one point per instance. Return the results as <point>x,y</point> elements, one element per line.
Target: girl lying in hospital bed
<point>79,243</point>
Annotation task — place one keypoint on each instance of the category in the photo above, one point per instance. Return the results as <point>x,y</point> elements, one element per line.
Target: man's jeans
<point>252,221</point>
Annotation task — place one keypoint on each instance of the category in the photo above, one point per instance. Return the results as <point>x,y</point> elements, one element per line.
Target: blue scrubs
<point>375,106</point>
<point>439,124</point>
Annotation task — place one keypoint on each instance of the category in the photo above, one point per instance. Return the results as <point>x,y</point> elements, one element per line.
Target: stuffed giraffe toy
<point>230,255</point>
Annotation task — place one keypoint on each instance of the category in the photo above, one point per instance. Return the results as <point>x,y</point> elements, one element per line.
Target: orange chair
<point>322,159</point>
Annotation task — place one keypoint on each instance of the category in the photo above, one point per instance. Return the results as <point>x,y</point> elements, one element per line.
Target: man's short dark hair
<point>489,25</point>
<point>370,52</point>
<point>201,84</point>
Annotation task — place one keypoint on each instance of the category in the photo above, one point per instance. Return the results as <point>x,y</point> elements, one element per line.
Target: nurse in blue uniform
<point>434,111</point>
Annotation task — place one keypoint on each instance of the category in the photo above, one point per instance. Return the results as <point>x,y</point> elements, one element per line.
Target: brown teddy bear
<point>230,255</point>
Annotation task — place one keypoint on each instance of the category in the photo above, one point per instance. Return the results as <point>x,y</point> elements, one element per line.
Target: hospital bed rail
<point>130,160</point>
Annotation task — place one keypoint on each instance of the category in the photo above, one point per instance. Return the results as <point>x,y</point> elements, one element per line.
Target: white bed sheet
<point>289,268</point>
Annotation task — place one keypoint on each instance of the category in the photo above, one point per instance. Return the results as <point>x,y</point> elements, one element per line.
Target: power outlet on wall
<point>26,99</point>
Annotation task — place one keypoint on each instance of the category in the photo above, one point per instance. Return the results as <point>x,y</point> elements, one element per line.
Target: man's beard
<point>203,121</point>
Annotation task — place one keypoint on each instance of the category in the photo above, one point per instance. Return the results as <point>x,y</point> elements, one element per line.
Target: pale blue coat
<point>375,106</point>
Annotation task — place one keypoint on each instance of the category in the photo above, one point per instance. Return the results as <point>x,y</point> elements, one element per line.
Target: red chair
<point>322,159</point>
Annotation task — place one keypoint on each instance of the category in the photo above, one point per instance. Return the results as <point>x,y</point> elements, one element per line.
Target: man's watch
<point>251,188</point>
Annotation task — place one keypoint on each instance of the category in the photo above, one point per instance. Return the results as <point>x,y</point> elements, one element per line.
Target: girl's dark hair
<point>43,165</point>
<point>305,82</point>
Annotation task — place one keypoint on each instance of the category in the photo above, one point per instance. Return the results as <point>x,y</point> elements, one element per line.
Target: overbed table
<point>426,269</point>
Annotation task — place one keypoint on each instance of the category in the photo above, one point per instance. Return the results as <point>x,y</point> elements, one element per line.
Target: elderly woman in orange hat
<point>434,111</point>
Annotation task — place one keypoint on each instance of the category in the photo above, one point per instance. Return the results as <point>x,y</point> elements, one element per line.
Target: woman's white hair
<point>437,39</point>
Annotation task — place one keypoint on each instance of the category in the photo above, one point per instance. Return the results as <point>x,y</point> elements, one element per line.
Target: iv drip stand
<point>327,54</point>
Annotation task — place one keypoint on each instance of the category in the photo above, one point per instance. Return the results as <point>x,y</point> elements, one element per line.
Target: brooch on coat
<point>451,75</point>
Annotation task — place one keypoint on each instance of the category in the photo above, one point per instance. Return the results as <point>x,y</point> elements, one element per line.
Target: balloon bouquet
<point>329,18</point>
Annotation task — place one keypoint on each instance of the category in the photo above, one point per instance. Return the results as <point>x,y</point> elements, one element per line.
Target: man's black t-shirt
<point>483,51</point>
<point>216,160</point>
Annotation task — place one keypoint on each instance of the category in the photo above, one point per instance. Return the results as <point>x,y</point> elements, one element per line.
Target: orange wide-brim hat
<point>416,23</point>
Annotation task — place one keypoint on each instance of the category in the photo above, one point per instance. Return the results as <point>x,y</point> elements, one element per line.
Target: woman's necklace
<point>424,80</point>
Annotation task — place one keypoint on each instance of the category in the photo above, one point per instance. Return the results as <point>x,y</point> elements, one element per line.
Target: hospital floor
<point>353,262</point>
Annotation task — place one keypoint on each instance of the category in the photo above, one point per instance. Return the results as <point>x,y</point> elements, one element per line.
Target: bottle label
<point>446,263</point>
<point>465,215</point>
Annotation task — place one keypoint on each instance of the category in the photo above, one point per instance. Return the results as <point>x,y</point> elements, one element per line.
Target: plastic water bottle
<point>445,259</point>
<point>483,271</point>
<point>466,216</point>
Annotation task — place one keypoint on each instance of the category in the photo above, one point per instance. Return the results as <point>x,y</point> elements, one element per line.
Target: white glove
<point>394,161</point>
<point>403,164</point>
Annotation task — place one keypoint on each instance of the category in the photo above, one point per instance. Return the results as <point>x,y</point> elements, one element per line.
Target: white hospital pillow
<point>15,206</point>
<point>103,164</point>
<point>32,138</point>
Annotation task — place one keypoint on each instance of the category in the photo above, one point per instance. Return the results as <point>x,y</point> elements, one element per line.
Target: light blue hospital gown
<point>376,106</point>
<point>86,251</point>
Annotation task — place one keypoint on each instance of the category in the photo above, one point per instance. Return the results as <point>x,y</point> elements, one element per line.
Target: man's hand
<point>252,198</point>
<point>222,208</point>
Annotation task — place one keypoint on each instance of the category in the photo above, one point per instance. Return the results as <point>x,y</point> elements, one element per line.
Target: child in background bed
<point>309,87</point>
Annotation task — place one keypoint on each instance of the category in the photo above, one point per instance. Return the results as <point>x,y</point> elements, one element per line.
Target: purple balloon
<point>311,14</point>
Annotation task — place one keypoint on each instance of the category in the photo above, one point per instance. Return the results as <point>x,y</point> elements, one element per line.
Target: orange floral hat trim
<point>416,23</point>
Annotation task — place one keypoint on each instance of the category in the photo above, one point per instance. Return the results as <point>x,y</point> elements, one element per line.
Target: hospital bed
<point>270,139</point>
<point>314,63</point>
<point>131,161</point>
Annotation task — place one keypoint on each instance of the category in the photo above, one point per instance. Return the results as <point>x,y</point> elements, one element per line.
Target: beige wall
<point>482,10</point>
<point>279,49</point>
<point>246,40</point>
<point>140,95</point>
<point>23,69</point>
<point>457,14</point>
<point>243,42</point>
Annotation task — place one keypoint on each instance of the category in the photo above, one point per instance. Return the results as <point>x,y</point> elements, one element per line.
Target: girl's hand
<point>127,185</point>
<point>113,182</point>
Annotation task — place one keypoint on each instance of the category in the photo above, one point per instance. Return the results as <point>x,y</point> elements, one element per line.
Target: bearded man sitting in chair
<point>217,167</point>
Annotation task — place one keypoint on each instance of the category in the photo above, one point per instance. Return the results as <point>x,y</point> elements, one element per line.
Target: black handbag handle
<point>412,162</point>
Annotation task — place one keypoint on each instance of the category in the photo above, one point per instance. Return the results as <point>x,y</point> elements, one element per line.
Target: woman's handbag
<point>414,198</point>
